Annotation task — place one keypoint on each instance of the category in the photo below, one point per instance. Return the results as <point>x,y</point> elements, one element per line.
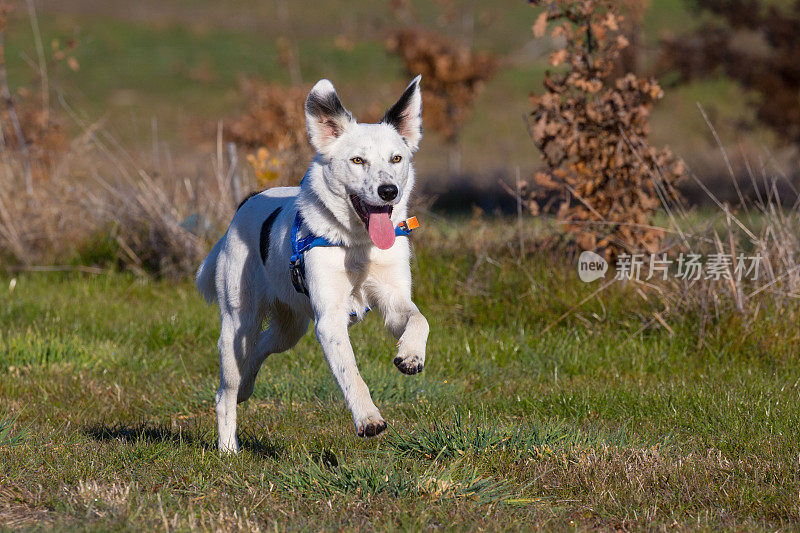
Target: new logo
<point>591,266</point>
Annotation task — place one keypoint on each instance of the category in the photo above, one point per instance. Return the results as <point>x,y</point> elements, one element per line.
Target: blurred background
<point>109,91</point>
<point>178,67</point>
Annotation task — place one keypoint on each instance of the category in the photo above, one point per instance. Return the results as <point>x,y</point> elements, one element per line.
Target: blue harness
<point>300,246</point>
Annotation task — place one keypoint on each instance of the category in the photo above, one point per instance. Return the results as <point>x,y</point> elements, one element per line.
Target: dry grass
<point>17,509</point>
<point>767,227</point>
<point>100,204</point>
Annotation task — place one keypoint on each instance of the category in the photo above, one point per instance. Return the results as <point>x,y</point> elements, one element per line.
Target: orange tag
<point>412,223</point>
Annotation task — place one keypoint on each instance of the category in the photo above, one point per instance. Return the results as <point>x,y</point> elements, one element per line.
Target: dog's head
<point>367,167</point>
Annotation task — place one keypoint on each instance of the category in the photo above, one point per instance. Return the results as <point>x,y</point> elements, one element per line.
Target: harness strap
<point>300,245</point>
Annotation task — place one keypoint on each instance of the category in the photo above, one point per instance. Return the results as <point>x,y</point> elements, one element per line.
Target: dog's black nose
<point>387,192</point>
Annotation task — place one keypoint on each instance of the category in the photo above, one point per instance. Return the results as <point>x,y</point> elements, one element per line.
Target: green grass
<point>107,422</point>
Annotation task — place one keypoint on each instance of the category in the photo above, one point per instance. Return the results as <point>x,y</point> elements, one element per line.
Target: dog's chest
<point>368,278</point>
<point>356,278</point>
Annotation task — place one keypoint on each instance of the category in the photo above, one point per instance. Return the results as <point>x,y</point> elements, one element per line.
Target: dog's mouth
<point>377,219</point>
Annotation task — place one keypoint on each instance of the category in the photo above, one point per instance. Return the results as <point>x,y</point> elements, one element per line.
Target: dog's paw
<point>370,427</point>
<point>229,447</point>
<point>409,364</point>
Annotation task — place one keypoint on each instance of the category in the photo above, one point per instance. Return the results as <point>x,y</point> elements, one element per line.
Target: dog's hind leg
<point>285,329</point>
<point>237,340</point>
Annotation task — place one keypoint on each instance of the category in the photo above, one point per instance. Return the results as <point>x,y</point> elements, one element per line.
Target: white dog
<point>326,250</point>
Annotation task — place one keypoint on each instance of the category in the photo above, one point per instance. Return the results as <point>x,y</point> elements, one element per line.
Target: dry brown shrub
<point>43,132</point>
<point>453,75</point>
<point>592,132</point>
<point>755,42</point>
<point>632,28</point>
<point>28,127</point>
<point>274,120</point>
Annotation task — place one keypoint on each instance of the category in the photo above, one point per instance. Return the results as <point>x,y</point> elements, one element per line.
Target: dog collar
<point>300,245</point>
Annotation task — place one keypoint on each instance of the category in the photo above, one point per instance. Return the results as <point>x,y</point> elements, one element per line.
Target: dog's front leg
<point>331,329</point>
<point>406,323</point>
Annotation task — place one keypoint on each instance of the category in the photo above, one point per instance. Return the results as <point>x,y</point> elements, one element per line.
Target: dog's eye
<point>357,161</point>
<point>396,159</point>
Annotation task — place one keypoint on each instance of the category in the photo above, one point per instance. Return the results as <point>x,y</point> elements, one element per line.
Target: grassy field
<point>106,412</point>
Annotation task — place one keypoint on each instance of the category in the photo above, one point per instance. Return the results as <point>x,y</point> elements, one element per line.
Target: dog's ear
<point>406,115</point>
<point>326,117</point>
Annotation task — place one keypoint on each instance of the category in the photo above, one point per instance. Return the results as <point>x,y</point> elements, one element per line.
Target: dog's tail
<point>206,274</point>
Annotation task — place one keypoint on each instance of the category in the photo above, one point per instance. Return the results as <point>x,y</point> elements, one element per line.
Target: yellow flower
<point>266,168</point>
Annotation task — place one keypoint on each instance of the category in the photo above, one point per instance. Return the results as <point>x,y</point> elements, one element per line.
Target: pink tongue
<point>381,230</point>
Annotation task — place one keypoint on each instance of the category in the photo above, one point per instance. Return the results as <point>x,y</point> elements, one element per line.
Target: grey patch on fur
<point>399,111</point>
<point>325,108</point>
<point>266,227</point>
